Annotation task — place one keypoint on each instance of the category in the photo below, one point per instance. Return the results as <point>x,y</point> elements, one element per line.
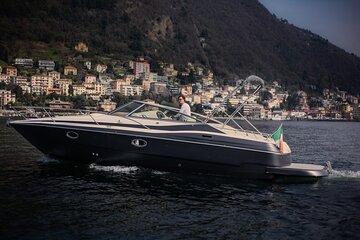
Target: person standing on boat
<point>184,110</point>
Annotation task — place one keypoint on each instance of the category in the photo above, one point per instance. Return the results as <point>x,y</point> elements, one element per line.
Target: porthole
<point>72,135</point>
<point>138,142</point>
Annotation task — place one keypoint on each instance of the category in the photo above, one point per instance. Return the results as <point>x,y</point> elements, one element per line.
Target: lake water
<point>41,198</point>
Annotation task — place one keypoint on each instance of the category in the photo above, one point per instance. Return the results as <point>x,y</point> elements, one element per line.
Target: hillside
<point>233,37</point>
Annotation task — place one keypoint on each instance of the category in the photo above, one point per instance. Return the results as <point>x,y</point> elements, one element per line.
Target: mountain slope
<point>233,37</point>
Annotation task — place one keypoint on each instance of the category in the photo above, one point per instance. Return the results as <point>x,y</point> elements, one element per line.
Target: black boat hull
<point>155,152</point>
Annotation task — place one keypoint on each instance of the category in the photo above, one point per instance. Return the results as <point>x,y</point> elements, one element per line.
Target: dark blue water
<point>41,198</point>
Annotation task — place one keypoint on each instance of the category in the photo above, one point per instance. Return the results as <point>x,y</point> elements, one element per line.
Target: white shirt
<point>185,109</point>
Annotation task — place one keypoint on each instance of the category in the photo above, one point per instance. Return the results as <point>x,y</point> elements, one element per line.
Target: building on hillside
<point>149,76</point>
<point>172,89</point>
<point>141,67</point>
<point>81,47</point>
<point>23,62</point>
<point>99,89</point>
<point>42,80</point>
<point>159,88</point>
<point>186,89</point>
<point>87,64</point>
<point>70,70</point>
<point>64,84</point>
<point>78,90</point>
<point>116,84</point>
<point>131,90</point>
<point>93,96</point>
<point>234,101</point>
<point>5,78</point>
<point>196,98</point>
<point>11,71</point>
<point>101,68</point>
<point>57,91</point>
<point>41,83</point>
<point>6,97</point>
<point>89,78</point>
<point>54,75</point>
<point>162,79</point>
<point>24,83</point>
<point>46,64</point>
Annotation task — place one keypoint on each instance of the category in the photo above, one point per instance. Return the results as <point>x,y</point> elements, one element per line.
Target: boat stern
<point>301,170</point>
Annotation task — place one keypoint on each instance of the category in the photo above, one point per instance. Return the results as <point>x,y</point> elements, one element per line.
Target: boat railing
<point>230,118</point>
<point>28,112</point>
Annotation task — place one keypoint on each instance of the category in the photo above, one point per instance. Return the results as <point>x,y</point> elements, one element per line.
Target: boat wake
<point>344,174</point>
<point>47,160</point>
<point>117,169</point>
<point>121,169</point>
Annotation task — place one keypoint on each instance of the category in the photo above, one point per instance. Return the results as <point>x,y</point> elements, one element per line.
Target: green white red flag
<point>278,138</point>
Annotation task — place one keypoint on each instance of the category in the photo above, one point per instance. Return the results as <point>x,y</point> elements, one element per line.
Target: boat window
<point>126,109</point>
<point>157,112</point>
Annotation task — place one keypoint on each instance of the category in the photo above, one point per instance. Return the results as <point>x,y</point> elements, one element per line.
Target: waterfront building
<point>107,105</point>
<point>356,112</point>
<point>58,104</point>
<point>6,97</point>
<point>256,111</point>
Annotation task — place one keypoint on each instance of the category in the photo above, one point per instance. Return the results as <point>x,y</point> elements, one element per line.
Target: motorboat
<point>155,136</point>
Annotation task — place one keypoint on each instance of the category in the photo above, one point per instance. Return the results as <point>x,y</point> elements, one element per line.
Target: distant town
<point>83,83</point>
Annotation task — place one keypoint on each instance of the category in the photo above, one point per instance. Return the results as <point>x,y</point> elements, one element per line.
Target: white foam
<point>117,169</point>
<point>158,172</point>
<point>345,174</point>
<point>47,160</point>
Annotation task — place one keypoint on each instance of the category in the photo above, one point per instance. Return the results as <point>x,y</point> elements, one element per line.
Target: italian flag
<point>278,138</point>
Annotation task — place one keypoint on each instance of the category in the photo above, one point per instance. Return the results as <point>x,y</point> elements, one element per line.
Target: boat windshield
<point>153,111</point>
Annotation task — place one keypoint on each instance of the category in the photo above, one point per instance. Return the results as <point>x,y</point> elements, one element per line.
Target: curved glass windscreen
<point>153,111</point>
<point>159,112</point>
<point>150,111</point>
